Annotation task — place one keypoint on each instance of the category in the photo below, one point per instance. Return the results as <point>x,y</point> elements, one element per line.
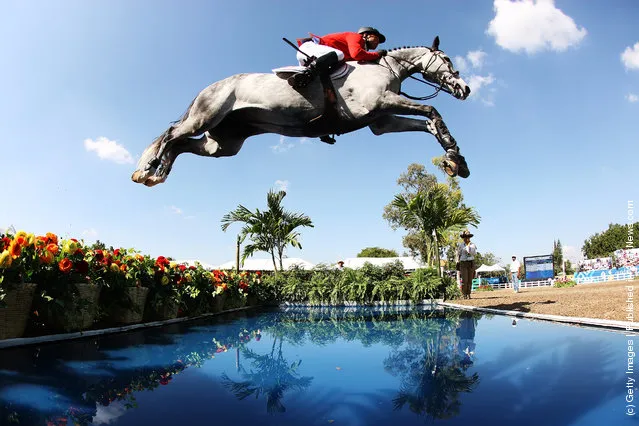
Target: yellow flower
<point>115,267</point>
<point>20,234</point>
<point>69,246</point>
<point>165,280</point>
<point>31,239</point>
<point>5,259</point>
<point>173,264</point>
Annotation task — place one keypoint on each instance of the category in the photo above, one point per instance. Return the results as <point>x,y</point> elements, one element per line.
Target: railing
<point>604,278</point>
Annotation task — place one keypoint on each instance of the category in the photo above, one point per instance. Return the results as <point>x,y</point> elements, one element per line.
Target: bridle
<point>438,87</point>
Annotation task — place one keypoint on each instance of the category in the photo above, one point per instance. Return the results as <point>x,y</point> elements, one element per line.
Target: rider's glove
<point>382,52</point>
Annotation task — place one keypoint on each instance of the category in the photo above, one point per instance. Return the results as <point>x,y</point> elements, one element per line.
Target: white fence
<point>522,284</point>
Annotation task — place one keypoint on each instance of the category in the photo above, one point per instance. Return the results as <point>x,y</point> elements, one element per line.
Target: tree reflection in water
<point>433,370</point>
<point>271,376</point>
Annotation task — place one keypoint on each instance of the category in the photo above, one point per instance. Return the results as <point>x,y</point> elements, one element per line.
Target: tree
<point>418,242</point>
<point>486,259</point>
<point>614,238</point>
<point>271,230</point>
<point>569,268</point>
<point>377,252</point>
<point>433,212</point>
<point>558,257</point>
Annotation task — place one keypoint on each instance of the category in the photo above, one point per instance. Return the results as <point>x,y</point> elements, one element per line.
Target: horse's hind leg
<point>208,109</point>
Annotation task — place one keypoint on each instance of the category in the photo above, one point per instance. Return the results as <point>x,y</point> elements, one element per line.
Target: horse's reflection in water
<point>223,115</point>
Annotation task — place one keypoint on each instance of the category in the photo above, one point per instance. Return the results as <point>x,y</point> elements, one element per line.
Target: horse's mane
<point>409,47</point>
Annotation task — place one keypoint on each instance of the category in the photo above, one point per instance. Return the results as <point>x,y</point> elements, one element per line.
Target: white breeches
<point>317,50</point>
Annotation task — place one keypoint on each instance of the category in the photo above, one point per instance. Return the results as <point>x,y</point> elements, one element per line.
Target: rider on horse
<point>327,51</point>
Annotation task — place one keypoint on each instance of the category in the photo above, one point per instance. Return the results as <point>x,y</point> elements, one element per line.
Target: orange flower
<point>53,248</point>
<point>15,249</point>
<point>139,257</point>
<point>41,241</point>
<point>123,267</point>
<point>46,257</point>
<point>22,240</point>
<point>65,265</point>
<point>53,238</point>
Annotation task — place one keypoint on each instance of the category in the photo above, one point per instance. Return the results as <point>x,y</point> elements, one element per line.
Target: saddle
<point>329,117</point>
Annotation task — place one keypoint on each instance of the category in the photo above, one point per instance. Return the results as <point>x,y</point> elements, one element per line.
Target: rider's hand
<point>382,52</point>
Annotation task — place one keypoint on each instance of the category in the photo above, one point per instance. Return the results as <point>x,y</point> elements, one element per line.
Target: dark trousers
<point>467,272</point>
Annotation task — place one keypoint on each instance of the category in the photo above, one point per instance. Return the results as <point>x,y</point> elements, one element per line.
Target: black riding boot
<point>319,66</point>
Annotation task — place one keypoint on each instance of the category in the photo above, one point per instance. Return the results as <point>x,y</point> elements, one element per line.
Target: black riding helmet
<point>372,30</point>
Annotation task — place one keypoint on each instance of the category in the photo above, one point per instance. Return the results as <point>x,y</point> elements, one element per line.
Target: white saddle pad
<point>286,72</point>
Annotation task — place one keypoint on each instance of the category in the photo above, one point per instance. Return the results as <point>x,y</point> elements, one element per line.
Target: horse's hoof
<point>450,168</point>
<point>454,164</point>
<point>154,180</point>
<point>139,177</point>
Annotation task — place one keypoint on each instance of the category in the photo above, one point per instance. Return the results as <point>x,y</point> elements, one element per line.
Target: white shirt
<point>514,267</point>
<point>466,252</point>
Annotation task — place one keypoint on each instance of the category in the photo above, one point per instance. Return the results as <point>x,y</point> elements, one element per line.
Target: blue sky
<point>550,132</point>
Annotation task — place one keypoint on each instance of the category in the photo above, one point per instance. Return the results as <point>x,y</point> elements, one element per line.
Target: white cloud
<point>305,141</point>
<point>108,150</point>
<point>476,58</point>
<point>476,83</point>
<point>631,97</point>
<point>461,64</point>
<point>90,234</point>
<point>532,26</point>
<point>282,146</point>
<point>176,210</point>
<point>630,57</point>
<point>281,185</point>
<point>473,60</point>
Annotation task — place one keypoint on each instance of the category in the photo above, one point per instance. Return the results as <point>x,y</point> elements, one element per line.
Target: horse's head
<point>438,68</point>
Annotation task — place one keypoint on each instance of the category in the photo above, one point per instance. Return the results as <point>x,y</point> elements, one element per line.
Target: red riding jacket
<point>351,44</point>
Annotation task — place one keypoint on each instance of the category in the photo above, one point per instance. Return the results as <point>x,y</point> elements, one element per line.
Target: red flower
<point>65,265</point>
<point>258,273</point>
<point>192,268</point>
<point>116,252</point>
<point>182,268</point>
<point>82,267</point>
<point>4,243</point>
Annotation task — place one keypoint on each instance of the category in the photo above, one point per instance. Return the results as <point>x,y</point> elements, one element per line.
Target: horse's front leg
<point>391,103</point>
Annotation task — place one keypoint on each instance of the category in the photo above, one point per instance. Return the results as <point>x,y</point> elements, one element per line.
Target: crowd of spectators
<point>627,258</point>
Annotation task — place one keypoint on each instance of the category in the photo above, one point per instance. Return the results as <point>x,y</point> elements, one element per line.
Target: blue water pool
<point>323,366</point>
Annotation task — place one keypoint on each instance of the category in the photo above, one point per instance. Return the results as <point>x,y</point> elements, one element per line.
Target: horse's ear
<point>435,43</point>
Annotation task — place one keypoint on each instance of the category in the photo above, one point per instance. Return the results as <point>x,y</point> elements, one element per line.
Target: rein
<point>438,87</point>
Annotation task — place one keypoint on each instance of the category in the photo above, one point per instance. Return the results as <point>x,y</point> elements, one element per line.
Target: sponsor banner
<point>604,274</point>
<point>539,267</point>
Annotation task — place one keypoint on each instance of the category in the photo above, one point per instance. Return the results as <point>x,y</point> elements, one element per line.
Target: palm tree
<point>271,230</point>
<point>435,211</point>
<point>273,377</point>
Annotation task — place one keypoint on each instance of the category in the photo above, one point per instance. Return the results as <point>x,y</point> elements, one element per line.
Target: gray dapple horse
<point>229,111</point>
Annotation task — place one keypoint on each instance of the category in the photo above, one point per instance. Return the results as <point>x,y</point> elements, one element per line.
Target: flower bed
<point>72,286</point>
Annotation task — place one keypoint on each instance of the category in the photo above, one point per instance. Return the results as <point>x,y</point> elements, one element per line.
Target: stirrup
<point>300,80</point>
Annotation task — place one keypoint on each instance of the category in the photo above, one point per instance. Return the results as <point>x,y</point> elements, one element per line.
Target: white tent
<point>410,264</point>
<point>484,268</point>
<point>192,262</point>
<point>267,264</point>
<point>491,268</point>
